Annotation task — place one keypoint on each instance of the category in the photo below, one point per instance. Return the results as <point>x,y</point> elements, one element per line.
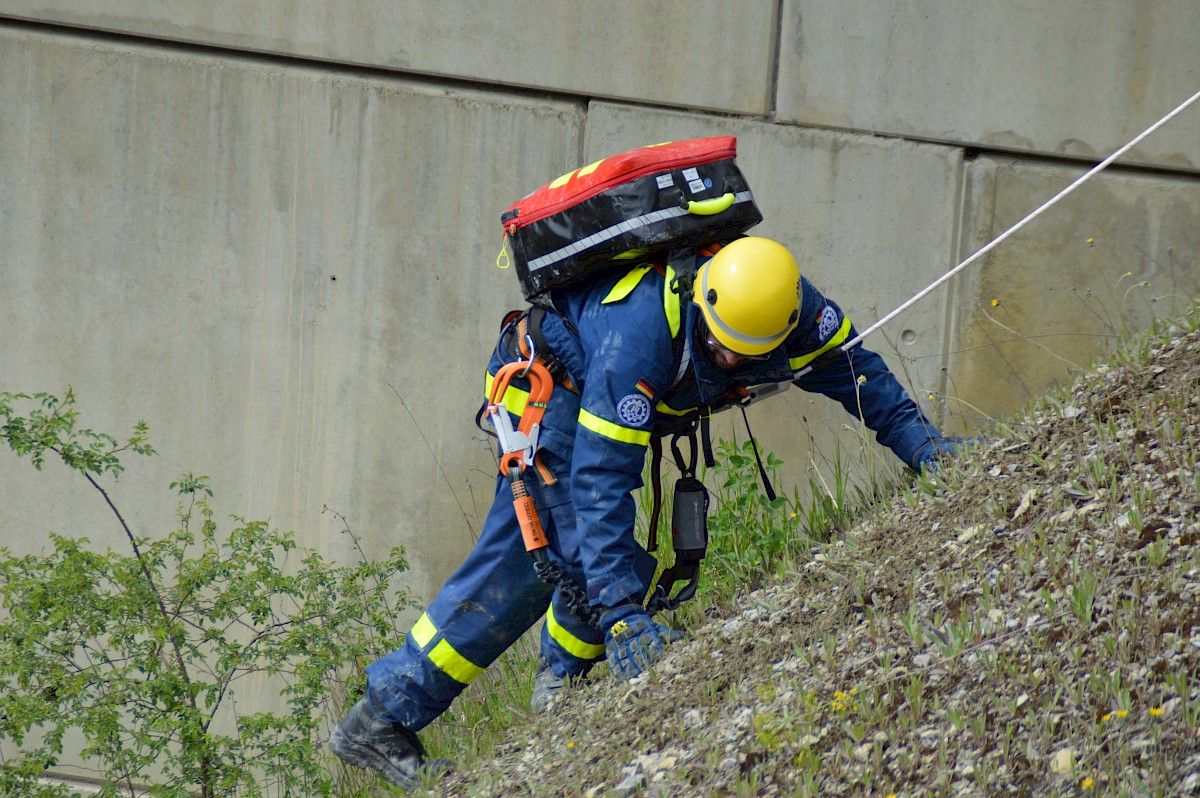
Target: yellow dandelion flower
<point>862,378</point>
<point>1128,274</point>
<point>1122,713</point>
<point>1107,717</point>
<point>1091,241</point>
<point>1087,784</point>
<point>571,744</point>
<point>1156,712</point>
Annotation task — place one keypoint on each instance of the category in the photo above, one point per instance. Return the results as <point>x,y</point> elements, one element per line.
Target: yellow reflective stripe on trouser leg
<point>443,655</point>
<point>572,644</point>
<point>608,429</point>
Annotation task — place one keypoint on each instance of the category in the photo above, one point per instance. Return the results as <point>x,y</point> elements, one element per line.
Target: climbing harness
<point>519,451</point>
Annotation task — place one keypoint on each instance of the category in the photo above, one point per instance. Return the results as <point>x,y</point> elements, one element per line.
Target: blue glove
<point>932,450</point>
<point>633,640</point>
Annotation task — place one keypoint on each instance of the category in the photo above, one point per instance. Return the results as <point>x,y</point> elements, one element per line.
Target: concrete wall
<point>269,230</point>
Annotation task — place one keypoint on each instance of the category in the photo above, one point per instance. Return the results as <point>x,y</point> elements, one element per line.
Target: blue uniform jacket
<point>615,338</point>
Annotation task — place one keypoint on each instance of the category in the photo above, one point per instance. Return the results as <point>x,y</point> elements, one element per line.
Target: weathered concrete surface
<point>690,53</point>
<point>871,222</point>
<point>1075,77</point>
<point>1113,256</point>
<point>288,274</point>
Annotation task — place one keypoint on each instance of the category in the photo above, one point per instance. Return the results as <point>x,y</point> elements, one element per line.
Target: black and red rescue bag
<point>621,208</point>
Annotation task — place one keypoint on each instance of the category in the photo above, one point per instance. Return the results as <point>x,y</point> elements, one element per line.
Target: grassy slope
<point>1027,623</point>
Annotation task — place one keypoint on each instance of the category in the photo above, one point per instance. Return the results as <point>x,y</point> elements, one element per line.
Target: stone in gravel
<point>1063,761</point>
<point>633,781</point>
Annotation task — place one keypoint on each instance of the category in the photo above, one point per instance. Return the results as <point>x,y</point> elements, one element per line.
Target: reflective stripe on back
<point>671,303</point>
<point>626,285</point>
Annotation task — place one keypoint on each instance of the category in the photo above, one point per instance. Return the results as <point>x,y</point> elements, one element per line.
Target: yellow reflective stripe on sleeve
<point>797,363</point>
<point>625,285</point>
<point>616,432</point>
<point>671,303</point>
<point>663,407</point>
<point>423,631</point>
<point>455,665</point>
<point>573,645</point>
<point>514,399</point>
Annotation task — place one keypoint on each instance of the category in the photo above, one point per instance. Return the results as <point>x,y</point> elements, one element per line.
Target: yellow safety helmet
<point>749,295</point>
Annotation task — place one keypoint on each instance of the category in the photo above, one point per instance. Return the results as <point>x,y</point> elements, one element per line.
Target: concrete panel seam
<point>278,60</point>
<point>949,322</point>
<point>776,58</point>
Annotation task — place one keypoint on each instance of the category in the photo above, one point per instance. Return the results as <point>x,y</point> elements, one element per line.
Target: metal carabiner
<point>532,354</point>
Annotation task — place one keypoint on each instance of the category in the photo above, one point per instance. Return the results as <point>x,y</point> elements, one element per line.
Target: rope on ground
<point>996,241</point>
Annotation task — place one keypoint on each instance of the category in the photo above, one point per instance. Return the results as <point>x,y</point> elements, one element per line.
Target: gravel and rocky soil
<point>1025,623</point>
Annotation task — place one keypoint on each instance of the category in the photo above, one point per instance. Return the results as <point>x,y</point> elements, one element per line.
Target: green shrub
<point>139,652</point>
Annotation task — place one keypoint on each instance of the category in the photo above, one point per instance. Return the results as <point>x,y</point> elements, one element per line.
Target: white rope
<point>995,242</point>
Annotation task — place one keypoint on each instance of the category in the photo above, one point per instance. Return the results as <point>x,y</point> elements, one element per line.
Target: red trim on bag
<point>615,170</point>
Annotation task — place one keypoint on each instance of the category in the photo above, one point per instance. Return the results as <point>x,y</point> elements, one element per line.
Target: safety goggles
<point>725,357</point>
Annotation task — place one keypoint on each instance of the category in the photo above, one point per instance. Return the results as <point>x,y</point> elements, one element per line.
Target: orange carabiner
<point>520,448</point>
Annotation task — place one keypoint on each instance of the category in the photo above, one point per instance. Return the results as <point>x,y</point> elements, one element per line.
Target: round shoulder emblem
<point>827,323</point>
<point>634,409</point>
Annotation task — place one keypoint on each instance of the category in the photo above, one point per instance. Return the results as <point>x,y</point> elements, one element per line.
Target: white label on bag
<point>696,186</point>
<point>664,181</point>
<point>691,174</point>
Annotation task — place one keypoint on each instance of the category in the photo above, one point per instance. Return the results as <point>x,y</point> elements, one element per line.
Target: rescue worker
<point>636,358</point>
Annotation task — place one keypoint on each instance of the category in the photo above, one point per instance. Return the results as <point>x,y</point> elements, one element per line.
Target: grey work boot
<point>546,688</point>
<point>365,740</point>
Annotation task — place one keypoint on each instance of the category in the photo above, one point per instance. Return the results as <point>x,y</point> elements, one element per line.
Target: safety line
<point>996,241</point>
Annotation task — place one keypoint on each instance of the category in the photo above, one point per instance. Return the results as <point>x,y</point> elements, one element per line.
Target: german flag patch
<point>646,388</point>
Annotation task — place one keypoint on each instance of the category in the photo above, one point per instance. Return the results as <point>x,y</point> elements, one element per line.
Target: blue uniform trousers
<point>489,602</point>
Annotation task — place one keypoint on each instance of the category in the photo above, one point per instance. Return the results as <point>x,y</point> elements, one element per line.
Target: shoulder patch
<point>634,409</point>
<point>827,323</point>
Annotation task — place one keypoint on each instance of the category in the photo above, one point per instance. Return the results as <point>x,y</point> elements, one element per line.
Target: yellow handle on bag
<point>710,207</point>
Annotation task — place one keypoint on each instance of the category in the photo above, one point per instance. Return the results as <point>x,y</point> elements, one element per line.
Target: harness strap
<point>656,489</point>
<point>706,439</point>
<point>762,472</point>
<point>529,329</point>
